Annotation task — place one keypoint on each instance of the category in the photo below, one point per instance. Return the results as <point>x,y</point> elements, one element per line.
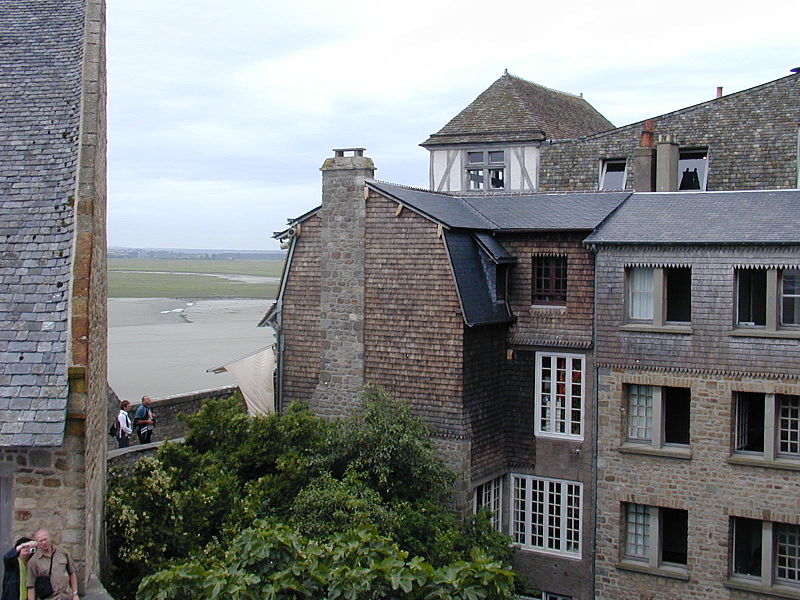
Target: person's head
<point>124,405</point>
<point>43,540</point>
<point>146,400</point>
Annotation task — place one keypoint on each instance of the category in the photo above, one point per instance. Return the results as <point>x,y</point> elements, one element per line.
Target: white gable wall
<point>448,167</point>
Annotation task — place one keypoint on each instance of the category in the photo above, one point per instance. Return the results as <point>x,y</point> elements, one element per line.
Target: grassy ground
<point>189,278</point>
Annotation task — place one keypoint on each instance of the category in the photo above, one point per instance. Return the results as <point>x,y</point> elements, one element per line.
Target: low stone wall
<point>167,409</point>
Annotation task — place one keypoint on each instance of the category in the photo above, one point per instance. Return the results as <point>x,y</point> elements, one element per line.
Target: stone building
<point>52,273</point>
<point>698,368</point>
<point>477,302</point>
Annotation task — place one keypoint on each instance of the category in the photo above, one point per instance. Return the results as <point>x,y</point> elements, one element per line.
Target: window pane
<point>489,496</point>
<point>547,514</point>
<point>676,415</point>
<point>497,179</point>
<point>749,422</point>
<point>752,309</point>
<point>613,175</point>
<point>692,165</point>
<point>641,293</point>
<point>475,157</point>
<point>789,426</point>
<point>475,179</point>
<point>790,298</point>
<point>746,546</point>
<point>674,535</point>
<point>787,553</point>
<point>550,280</point>
<point>496,156</point>
<point>679,294</point>
<point>640,412</point>
<point>637,543</point>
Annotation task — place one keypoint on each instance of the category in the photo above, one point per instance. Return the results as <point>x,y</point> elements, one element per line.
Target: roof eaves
<point>292,222</point>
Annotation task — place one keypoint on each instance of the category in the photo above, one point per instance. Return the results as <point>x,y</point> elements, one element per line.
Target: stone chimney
<point>666,164</point>
<point>644,161</point>
<point>343,212</point>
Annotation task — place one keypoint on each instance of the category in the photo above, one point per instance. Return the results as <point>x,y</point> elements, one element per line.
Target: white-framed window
<point>559,394</point>
<point>764,552</point>
<point>659,295</point>
<point>768,299</point>
<point>489,495</point>
<point>767,425</point>
<point>658,416</point>
<point>656,536</point>
<point>486,169</point>
<point>546,514</point>
<point>692,169</point>
<point>538,595</point>
<point>612,174</point>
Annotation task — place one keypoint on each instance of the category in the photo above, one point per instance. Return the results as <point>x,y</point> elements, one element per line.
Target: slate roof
<point>41,45</point>
<point>508,212</point>
<point>515,110</point>
<point>757,217</point>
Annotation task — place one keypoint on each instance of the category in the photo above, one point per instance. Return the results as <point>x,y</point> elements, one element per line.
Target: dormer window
<point>612,175</point>
<point>486,170</point>
<point>692,169</point>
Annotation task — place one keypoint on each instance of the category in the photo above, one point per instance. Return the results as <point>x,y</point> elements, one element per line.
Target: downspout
<point>276,322</point>
<point>596,424</point>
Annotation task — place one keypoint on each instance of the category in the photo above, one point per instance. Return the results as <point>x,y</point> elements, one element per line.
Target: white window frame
<point>485,167</point>
<point>551,411</point>
<point>604,169</point>
<point>538,524</point>
<point>771,543</point>
<point>539,595</point>
<point>490,495</point>
<point>647,538</point>
<point>779,418</point>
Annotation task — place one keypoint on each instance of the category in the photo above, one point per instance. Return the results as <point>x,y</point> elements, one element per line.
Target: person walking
<point>15,563</point>
<point>51,574</point>
<point>124,428</point>
<point>144,420</point>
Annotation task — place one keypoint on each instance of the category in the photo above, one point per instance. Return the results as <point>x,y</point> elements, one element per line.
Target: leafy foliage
<point>275,563</point>
<point>184,511</point>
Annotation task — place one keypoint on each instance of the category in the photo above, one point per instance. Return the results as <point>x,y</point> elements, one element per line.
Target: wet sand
<point>163,346</point>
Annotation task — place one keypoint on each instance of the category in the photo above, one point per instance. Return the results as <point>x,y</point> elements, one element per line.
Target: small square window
<point>659,295</point>
<point>550,280</point>
<point>655,535</point>
<point>658,416</point>
<point>475,158</point>
<point>790,297</point>
<point>768,298</point>
<point>752,305</point>
<point>485,170</point>
<point>546,514</point>
<point>475,179</point>
<point>756,544</point>
<point>497,156</point>
<point>767,425</point>
<point>640,293</point>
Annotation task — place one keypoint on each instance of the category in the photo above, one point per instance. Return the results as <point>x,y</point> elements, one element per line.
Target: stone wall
<point>751,138</point>
<point>705,482</point>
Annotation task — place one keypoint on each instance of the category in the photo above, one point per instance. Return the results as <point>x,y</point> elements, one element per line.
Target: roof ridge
<point>411,187</point>
<point>544,87</point>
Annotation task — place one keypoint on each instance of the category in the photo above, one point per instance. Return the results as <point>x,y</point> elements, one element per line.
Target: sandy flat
<point>162,346</point>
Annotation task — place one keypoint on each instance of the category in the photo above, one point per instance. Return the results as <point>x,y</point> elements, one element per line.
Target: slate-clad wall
<point>706,485</point>
<point>570,326</point>
<point>709,347</point>
<point>751,138</point>
<point>485,398</point>
<point>413,328</point>
<point>300,316</point>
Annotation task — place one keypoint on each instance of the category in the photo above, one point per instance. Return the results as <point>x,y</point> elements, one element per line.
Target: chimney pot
<point>719,91</point>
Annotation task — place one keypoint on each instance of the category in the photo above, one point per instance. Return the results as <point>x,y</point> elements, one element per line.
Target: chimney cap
<point>341,152</point>
<point>795,70</point>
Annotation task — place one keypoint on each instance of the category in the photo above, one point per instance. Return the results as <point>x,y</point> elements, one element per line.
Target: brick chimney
<point>341,373</point>
<point>666,164</point>
<point>644,161</point>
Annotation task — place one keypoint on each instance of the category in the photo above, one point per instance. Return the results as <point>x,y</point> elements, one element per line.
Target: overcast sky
<point>221,112</point>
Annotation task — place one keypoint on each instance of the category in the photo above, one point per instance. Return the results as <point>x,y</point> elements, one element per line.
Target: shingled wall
<point>300,316</point>
<point>753,131</point>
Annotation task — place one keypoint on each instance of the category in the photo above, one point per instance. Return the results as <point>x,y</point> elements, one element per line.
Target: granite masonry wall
<point>705,481</point>
<point>753,131</point>
<point>341,317</point>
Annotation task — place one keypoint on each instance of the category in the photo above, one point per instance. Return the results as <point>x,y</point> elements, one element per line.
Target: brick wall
<point>710,346</point>
<point>751,138</point>
<point>706,484</point>
<point>300,316</point>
